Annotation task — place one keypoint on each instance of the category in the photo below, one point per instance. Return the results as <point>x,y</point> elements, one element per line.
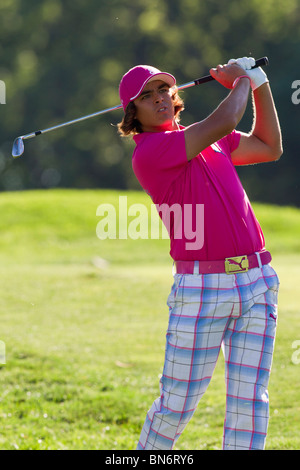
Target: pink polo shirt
<point>216,219</point>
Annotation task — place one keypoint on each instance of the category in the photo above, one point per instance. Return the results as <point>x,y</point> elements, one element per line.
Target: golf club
<point>18,145</point>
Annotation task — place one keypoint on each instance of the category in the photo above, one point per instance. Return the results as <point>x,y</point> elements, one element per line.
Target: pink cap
<point>133,82</point>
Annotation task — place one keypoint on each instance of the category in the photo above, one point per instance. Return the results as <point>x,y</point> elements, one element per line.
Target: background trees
<point>61,59</point>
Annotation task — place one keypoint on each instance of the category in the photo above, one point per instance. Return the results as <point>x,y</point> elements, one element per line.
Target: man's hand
<point>257,75</point>
<point>226,74</point>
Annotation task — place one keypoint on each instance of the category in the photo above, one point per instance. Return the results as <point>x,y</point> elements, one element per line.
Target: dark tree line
<point>61,59</point>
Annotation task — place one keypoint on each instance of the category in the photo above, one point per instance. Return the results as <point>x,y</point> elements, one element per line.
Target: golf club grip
<point>208,78</point>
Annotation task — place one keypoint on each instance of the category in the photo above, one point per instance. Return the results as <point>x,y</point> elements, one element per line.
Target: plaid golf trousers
<point>209,312</point>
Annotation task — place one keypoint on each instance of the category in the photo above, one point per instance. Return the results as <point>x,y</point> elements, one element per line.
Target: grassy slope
<point>85,341</point>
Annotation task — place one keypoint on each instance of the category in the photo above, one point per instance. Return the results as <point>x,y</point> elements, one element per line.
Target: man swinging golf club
<point>224,292</point>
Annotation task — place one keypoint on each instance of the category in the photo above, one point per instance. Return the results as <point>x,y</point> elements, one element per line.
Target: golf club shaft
<point>207,78</point>
<point>68,123</point>
<point>18,145</point>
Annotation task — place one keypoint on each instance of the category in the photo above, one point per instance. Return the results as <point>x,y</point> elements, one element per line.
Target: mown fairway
<point>84,320</point>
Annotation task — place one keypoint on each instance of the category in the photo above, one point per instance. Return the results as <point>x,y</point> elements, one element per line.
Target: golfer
<point>225,290</point>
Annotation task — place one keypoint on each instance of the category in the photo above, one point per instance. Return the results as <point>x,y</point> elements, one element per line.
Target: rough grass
<point>84,320</point>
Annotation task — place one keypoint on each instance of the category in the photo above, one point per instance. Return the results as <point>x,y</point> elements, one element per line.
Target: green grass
<point>85,341</point>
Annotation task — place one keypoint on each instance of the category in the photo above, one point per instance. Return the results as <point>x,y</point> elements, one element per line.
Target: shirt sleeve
<point>233,140</point>
<point>158,159</point>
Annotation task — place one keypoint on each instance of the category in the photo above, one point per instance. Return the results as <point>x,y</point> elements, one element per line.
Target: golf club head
<point>18,147</point>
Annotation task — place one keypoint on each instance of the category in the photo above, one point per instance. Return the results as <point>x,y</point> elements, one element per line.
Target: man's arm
<point>226,117</point>
<point>263,143</point>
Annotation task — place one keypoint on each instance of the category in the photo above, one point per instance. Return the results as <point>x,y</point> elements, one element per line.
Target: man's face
<point>155,108</point>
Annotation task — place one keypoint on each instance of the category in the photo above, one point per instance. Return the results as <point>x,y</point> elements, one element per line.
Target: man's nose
<point>158,97</point>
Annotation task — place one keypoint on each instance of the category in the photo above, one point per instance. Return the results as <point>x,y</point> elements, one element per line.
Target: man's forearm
<point>219,123</point>
<point>234,106</point>
<point>266,125</point>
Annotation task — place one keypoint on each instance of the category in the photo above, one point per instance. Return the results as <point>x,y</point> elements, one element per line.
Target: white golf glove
<point>257,75</point>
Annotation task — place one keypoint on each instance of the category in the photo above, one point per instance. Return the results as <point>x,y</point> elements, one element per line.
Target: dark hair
<point>131,126</point>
